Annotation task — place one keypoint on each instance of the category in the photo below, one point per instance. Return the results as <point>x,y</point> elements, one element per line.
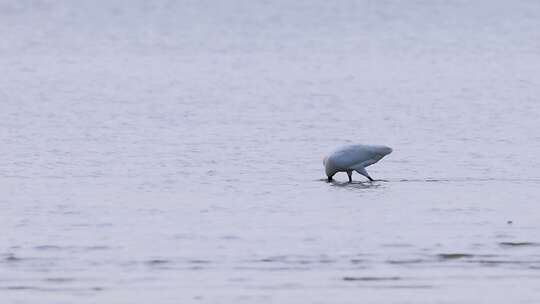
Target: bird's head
<point>329,167</point>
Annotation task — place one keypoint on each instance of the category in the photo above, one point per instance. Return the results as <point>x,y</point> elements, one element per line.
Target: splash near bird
<point>354,158</point>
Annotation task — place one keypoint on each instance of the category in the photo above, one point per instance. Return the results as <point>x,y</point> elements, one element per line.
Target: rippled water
<point>172,152</point>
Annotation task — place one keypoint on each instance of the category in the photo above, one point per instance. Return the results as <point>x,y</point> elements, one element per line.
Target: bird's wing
<point>369,162</point>
<point>349,156</point>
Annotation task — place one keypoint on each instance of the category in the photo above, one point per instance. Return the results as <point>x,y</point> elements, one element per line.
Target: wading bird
<point>354,158</point>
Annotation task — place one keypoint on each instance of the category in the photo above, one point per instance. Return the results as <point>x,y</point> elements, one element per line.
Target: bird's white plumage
<point>354,158</point>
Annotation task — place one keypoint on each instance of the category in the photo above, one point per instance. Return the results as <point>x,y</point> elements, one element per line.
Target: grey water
<point>171,151</point>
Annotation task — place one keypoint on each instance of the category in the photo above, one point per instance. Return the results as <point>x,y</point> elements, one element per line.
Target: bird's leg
<point>349,173</point>
<point>330,178</point>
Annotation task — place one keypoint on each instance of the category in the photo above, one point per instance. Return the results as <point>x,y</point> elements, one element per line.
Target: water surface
<point>172,151</point>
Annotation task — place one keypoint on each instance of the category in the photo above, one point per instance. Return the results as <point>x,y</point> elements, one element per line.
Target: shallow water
<point>172,151</point>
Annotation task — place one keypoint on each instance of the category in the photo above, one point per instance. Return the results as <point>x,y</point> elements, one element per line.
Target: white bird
<point>354,158</point>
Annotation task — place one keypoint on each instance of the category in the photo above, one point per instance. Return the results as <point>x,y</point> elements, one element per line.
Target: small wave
<point>518,244</point>
<point>19,287</point>
<point>371,279</point>
<point>157,262</point>
<point>48,247</point>
<point>409,261</point>
<point>11,258</point>
<point>59,280</point>
<point>455,256</point>
<point>73,248</point>
<point>407,286</point>
<point>199,261</point>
